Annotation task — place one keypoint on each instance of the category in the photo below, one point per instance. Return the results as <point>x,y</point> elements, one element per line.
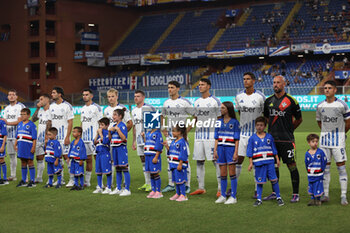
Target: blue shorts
<point>103,164</point>
<point>52,169</point>
<point>316,188</point>
<point>179,177</point>
<point>225,154</point>
<point>75,168</point>
<point>265,171</point>
<point>120,156</point>
<point>150,166</point>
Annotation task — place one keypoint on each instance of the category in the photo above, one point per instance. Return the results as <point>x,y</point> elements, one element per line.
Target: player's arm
<point>298,118</point>
<point>19,119</point>
<point>250,153</point>
<point>120,133</point>
<point>2,149</point>
<point>297,122</point>
<point>48,126</point>
<point>134,138</point>
<point>69,131</point>
<point>15,145</point>
<point>33,146</point>
<point>129,125</point>
<point>235,154</point>
<point>319,123</point>
<point>216,150</point>
<point>35,115</point>
<point>277,160</point>
<point>347,125</point>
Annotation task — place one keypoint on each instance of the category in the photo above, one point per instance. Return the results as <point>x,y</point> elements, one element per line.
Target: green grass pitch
<point>42,210</point>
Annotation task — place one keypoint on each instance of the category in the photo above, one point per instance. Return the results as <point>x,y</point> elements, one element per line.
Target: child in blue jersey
<point>77,155</point>
<point>226,150</point>
<point>119,134</point>
<point>25,146</point>
<point>103,160</point>
<point>3,138</point>
<point>153,163</point>
<point>315,163</point>
<point>53,152</point>
<point>262,152</point>
<point>178,152</point>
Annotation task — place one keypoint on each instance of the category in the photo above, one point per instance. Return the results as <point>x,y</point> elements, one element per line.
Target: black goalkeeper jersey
<point>280,113</point>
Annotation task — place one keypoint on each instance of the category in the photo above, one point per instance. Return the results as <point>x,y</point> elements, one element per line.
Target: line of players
<point>281,110</point>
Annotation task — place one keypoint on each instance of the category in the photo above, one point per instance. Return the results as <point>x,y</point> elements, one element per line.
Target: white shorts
<point>203,150</point>
<point>90,148</point>
<point>339,154</point>
<point>242,146</point>
<point>65,148</point>
<point>10,146</point>
<point>140,150</point>
<point>39,148</point>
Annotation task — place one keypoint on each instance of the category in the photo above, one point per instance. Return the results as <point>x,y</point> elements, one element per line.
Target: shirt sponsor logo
<point>330,119</point>
<point>57,117</point>
<point>274,112</point>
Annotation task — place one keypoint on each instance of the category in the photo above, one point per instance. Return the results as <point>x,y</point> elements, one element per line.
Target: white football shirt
<point>90,115</point>
<point>332,117</point>
<point>108,112</point>
<point>59,116</point>
<point>11,114</point>
<point>43,118</point>
<point>137,118</point>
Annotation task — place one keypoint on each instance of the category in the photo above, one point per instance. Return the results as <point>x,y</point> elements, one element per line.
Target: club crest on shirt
<point>231,126</point>
<point>318,156</point>
<point>268,141</point>
<point>78,148</point>
<point>177,146</point>
<point>51,143</point>
<point>154,136</point>
<point>27,126</point>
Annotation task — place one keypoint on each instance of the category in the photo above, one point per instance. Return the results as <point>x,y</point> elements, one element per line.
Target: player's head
<point>51,133</point>
<point>44,99</point>
<point>12,96</point>
<point>139,97</point>
<point>330,88</point>
<point>248,79</point>
<point>25,114</point>
<point>260,124</point>
<point>204,85</point>
<point>118,114</point>
<point>77,131</point>
<point>227,108</point>
<point>112,96</point>
<point>312,140</point>
<point>179,130</point>
<point>279,82</point>
<point>103,123</point>
<point>87,95</point>
<point>57,93</point>
<point>173,88</point>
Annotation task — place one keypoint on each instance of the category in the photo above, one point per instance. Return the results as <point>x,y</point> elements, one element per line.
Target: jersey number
<point>290,153</point>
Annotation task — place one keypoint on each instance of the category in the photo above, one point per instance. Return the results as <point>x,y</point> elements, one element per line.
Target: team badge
<point>268,141</point>
<point>231,126</point>
<point>27,126</point>
<point>51,143</point>
<point>318,156</point>
<point>78,148</point>
<point>154,136</point>
<point>284,104</point>
<point>177,146</point>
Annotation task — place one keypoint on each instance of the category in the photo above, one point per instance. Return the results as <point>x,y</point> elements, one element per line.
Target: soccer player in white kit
<point>91,113</point>
<point>12,117</point>
<point>41,114</point>
<point>207,109</point>
<point>250,105</point>
<point>137,140</point>
<point>175,109</point>
<point>333,117</point>
<point>61,117</point>
<point>112,96</point>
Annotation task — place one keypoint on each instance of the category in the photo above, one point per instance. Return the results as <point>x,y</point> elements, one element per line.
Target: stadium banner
<point>327,48</point>
<point>96,62</point>
<point>163,80</point>
<point>123,60</point>
<point>173,56</point>
<point>32,3</point>
<point>279,51</point>
<point>78,54</point>
<point>225,54</point>
<point>93,54</point>
<point>119,83</point>
<point>260,51</point>
<point>153,59</point>
<point>232,13</point>
<point>194,55</point>
<point>341,74</point>
<point>303,47</point>
<point>90,38</point>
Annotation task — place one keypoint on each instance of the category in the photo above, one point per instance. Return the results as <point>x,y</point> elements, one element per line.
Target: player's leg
<point>40,152</point>
<point>3,169</point>
<point>260,179</point>
<point>209,153</point>
<point>178,192</point>
<point>289,158</point>
<point>58,171</point>
<point>281,151</point>
<point>222,162</point>
<point>31,173</point>
<point>242,152</point>
<point>147,185</point>
<point>199,157</point>
<point>24,171</point>
<point>88,171</point>
<point>340,159</point>
<point>98,171</point>
<point>181,178</point>
<point>272,176</point>
<point>188,183</point>
<point>124,161</point>
<point>13,159</point>
<point>171,185</point>
<point>232,172</point>
<point>50,173</point>
<point>327,175</point>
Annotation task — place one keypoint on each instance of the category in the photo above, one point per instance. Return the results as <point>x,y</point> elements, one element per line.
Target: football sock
<point>153,184</point>
<point>32,173</point>
<point>81,180</point>
<point>24,173</point>
<point>183,189</point>
<point>326,179</point>
<point>87,177</point>
<point>4,170</point>
<point>188,183</point>
<point>119,178</point>
<point>294,174</point>
<point>59,178</point>
<point>259,189</point>
<point>233,186</point>
<point>238,170</point>
<point>76,180</point>
<point>109,181</point>
<point>200,174</point>
<point>40,169</point>
<point>146,175</point>
<point>13,164</point>
<point>127,180</point>
<point>170,175</point>
<point>276,188</point>
<point>218,176</point>
<point>178,192</point>
<point>99,181</point>
<point>343,180</point>
<point>158,183</point>
<point>223,185</point>
<point>51,179</point>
